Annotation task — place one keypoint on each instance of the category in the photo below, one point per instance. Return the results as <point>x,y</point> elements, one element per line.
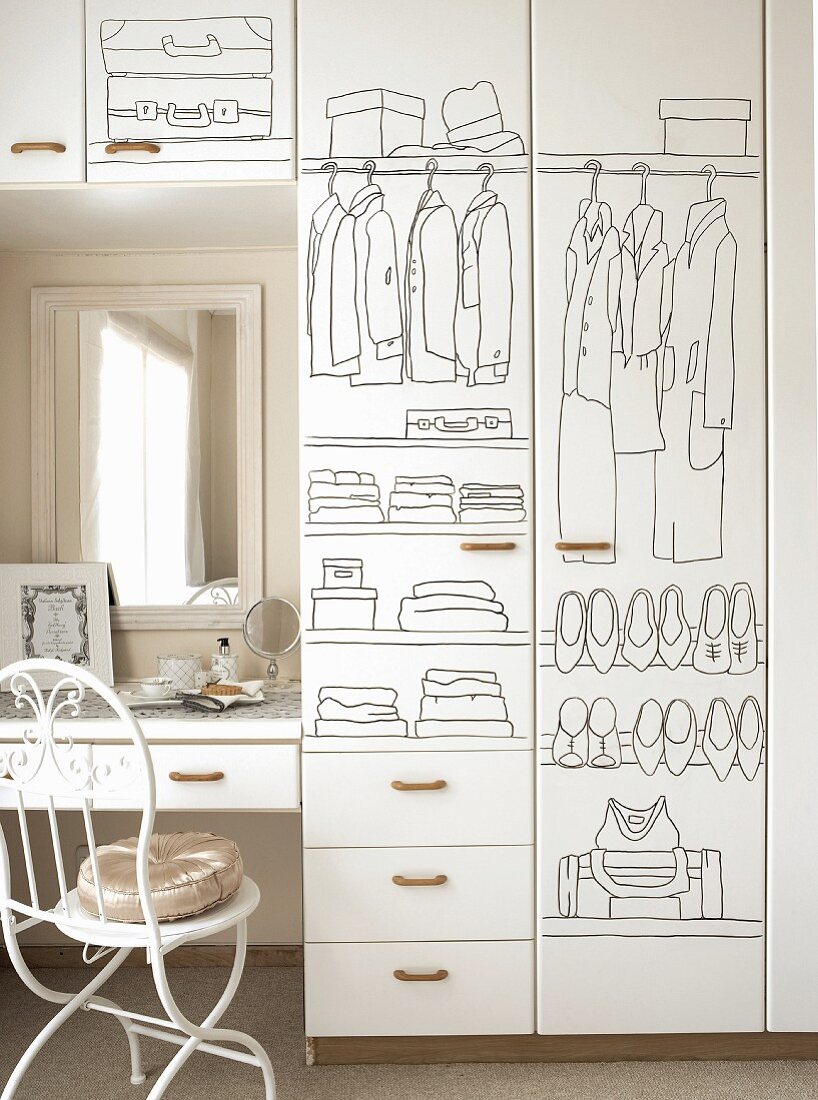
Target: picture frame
<point>56,611</point>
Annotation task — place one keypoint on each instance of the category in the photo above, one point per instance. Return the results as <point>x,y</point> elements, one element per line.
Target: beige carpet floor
<point>88,1058</point>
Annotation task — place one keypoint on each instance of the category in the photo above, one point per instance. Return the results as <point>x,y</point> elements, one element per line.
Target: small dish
<point>154,687</point>
<point>134,701</point>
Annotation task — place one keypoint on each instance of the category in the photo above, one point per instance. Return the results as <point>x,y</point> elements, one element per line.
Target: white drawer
<point>351,989</point>
<point>350,894</point>
<point>255,777</point>
<point>51,779</point>
<point>350,802</point>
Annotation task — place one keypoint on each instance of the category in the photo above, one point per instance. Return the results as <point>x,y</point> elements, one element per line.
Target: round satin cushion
<point>189,873</point>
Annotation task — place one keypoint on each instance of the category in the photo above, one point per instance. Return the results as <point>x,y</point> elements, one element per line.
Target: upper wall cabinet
<point>41,118</point>
<point>195,90</point>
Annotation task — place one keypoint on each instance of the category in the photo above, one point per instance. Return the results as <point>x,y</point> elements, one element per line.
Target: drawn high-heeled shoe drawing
<point>569,639</point>
<point>742,630</point>
<point>679,735</point>
<point>674,629</point>
<point>750,731</point>
<point>711,653</point>
<point>571,740</point>
<point>602,630</point>
<point>647,736</point>
<point>604,748</point>
<point>640,643</point>
<point>720,743</point>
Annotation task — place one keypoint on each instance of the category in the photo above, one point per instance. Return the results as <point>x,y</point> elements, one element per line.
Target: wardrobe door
<point>649,306</point>
<point>201,92</point>
<point>414,226</point>
<point>41,91</point>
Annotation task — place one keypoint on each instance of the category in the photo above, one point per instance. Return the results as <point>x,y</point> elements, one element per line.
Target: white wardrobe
<point>534,503</point>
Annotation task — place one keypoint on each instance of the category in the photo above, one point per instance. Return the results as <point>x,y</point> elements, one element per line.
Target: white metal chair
<point>45,769</point>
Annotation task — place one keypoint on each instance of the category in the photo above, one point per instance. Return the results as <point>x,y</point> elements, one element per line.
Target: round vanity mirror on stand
<point>272,629</point>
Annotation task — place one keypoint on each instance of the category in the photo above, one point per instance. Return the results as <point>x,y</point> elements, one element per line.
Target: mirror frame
<point>245,300</point>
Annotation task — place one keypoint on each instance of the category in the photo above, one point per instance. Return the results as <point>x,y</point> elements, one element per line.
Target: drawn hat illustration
<point>473,120</point>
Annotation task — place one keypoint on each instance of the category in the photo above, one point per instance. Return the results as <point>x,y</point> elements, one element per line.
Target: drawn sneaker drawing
<point>674,629</point>
<point>711,653</point>
<point>569,635</point>
<point>647,736</point>
<point>602,631</point>
<point>640,643</point>
<point>742,630</point>
<point>679,735</point>
<point>571,740</point>
<point>720,743</point>
<point>750,737</point>
<point>604,748</point>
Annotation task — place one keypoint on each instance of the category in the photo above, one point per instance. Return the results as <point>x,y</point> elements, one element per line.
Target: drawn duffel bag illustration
<point>673,885</point>
<point>164,108</point>
<point>230,46</point>
<point>455,423</point>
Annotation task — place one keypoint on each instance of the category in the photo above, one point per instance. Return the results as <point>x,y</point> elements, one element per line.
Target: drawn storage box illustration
<point>374,122</point>
<point>188,78</point>
<point>706,127</point>
<point>343,603</point>
<point>458,423</point>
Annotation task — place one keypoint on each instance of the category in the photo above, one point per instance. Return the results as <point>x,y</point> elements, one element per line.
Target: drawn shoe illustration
<point>604,748</point>
<point>602,631</point>
<point>569,640</point>
<point>711,653</point>
<point>720,743</point>
<point>674,629</point>
<point>641,637</point>
<point>750,727</point>
<point>647,736</point>
<point>679,735</point>
<point>571,740</point>
<point>742,630</point>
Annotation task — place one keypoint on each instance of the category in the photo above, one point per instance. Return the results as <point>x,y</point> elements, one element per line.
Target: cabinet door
<point>649,307</point>
<point>202,93</point>
<point>41,91</point>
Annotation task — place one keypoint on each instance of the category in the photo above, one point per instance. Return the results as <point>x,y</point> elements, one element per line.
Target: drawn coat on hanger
<point>332,319</point>
<point>699,379</point>
<point>587,466</point>
<point>430,291</point>
<point>635,376</point>
<point>484,301</point>
<point>377,290</point>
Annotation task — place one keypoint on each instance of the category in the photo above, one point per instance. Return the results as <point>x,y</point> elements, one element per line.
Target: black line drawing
<point>706,127</point>
<point>679,734</point>
<point>711,653</point>
<point>743,631</point>
<point>674,629</point>
<point>359,712</point>
<point>343,496</point>
<point>570,748</point>
<point>750,729</point>
<point>332,319</point>
<point>423,499</point>
<point>491,503</point>
<point>342,603</point>
<point>720,741</point>
<point>640,640</point>
<point>639,869</point>
<point>648,736</point>
<point>462,702</point>
<point>569,633</point>
<point>373,122</point>
<point>602,629</point>
<point>604,748</point>
<point>452,606</point>
<point>458,424</point>
<point>698,386</point>
<point>188,79</point>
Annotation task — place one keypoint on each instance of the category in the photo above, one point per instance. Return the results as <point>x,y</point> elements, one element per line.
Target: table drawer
<point>253,777</point>
<point>475,798</point>
<point>488,988</point>
<point>350,894</point>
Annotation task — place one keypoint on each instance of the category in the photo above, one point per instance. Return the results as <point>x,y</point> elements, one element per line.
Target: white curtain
<point>91,327</point>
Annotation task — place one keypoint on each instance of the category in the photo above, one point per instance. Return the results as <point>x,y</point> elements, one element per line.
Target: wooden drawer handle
<point>201,777</point>
<point>573,546</point>
<point>438,880</point>
<point>488,546</point>
<point>133,147</point>
<point>32,146</point>
<point>434,785</point>
<point>438,976</point>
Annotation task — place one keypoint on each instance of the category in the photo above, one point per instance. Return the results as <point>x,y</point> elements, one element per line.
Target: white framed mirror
<point>146,446</point>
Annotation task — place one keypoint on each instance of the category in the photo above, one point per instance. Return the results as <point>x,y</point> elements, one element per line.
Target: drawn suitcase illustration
<point>458,423</point>
<point>188,78</point>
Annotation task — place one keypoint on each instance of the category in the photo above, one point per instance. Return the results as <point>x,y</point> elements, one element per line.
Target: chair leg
<point>134,1045</point>
<point>54,1025</point>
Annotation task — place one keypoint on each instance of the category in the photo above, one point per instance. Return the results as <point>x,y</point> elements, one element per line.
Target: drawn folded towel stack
<point>359,712</point>
<point>481,503</point>
<point>452,605</point>
<point>462,704</point>
<point>344,496</point>
<point>427,499</point>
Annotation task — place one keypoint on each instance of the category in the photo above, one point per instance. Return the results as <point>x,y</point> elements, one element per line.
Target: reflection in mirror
<point>147,470</point>
<point>272,629</point>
